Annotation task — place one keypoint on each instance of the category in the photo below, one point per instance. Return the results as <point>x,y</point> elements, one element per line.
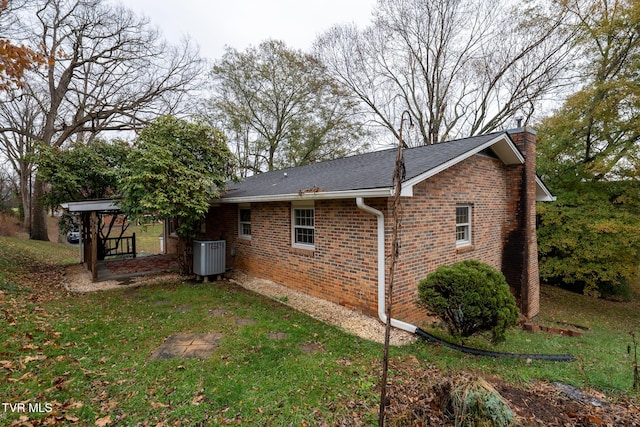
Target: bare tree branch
<point>106,69</point>
<point>459,67</point>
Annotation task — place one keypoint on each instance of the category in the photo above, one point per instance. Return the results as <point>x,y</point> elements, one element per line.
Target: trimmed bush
<point>470,297</point>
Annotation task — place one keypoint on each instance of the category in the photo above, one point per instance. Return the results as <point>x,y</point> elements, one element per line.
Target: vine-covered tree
<point>280,109</point>
<point>173,172</point>
<point>589,239</point>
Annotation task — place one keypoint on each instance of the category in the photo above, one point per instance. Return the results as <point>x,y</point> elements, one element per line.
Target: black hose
<point>478,352</point>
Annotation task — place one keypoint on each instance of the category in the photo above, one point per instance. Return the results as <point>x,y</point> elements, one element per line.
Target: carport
<point>89,211</point>
<point>124,247</point>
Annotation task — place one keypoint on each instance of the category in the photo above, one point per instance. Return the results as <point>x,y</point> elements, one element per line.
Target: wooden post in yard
<point>94,245</point>
<point>398,177</point>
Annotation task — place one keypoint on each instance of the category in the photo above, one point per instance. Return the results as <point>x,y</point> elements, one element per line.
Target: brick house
<point>325,228</point>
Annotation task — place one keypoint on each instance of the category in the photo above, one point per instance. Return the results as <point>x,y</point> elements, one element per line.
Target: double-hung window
<point>463,225</point>
<point>303,225</point>
<point>244,222</point>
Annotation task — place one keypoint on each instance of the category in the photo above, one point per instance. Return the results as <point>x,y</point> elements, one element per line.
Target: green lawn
<point>602,361</point>
<point>88,355</point>
<point>147,238</point>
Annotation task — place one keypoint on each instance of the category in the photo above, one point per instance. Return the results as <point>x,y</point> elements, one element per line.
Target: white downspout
<point>382,312</point>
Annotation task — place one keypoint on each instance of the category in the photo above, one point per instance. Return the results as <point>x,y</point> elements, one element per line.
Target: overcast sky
<point>214,24</point>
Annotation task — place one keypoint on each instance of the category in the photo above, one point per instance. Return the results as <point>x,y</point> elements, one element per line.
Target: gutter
<point>382,312</point>
<point>320,195</point>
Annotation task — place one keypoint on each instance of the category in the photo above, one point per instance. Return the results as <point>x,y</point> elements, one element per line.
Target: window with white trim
<point>244,222</point>
<point>303,225</point>
<point>463,225</point>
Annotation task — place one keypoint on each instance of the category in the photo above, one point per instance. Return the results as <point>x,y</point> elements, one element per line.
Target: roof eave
<point>92,205</point>
<point>542,192</point>
<point>319,195</point>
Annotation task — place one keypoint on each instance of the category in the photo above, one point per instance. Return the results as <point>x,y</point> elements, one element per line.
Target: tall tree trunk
<point>38,213</point>
<point>25,196</point>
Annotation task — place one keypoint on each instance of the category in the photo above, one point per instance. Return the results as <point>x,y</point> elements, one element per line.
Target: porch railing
<point>126,245</point>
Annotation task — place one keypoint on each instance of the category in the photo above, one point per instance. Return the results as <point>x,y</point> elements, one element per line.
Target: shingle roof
<point>361,172</point>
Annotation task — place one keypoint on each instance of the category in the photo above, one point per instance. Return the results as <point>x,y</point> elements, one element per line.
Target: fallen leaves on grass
<point>156,405</point>
<point>26,377</point>
<point>198,399</point>
<point>104,421</point>
<point>37,357</point>
<point>30,347</point>
<point>57,415</point>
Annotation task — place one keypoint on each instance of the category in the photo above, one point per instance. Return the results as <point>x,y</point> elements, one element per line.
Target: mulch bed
<point>416,400</point>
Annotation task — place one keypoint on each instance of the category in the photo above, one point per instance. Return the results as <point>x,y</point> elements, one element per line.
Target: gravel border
<point>77,279</point>
<point>328,312</point>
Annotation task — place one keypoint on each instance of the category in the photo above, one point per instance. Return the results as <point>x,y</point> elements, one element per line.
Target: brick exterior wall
<point>428,226</point>
<point>343,266</point>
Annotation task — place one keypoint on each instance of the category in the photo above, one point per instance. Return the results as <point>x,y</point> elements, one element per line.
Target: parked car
<point>73,237</point>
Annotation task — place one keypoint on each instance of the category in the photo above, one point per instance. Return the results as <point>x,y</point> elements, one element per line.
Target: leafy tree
<point>459,67</point>
<point>589,239</point>
<point>470,297</point>
<point>105,69</point>
<point>81,171</point>
<point>589,154</point>
<point>173,172</point>
<point>280,109</point>
<point>595,135</point>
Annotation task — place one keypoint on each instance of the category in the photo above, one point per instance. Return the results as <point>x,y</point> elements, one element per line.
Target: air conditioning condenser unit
<point>209,257</point>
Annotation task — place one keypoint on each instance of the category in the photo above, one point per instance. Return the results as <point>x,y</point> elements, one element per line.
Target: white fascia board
<point>542,192</point>
<point>501,145</point>
<point>93,205</point>
<point>320,195</point>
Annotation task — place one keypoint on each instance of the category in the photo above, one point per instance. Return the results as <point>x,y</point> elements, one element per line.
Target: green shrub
<point>470,297</point>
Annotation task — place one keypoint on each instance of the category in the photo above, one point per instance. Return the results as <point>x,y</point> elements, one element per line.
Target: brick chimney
<point>520,257</point>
